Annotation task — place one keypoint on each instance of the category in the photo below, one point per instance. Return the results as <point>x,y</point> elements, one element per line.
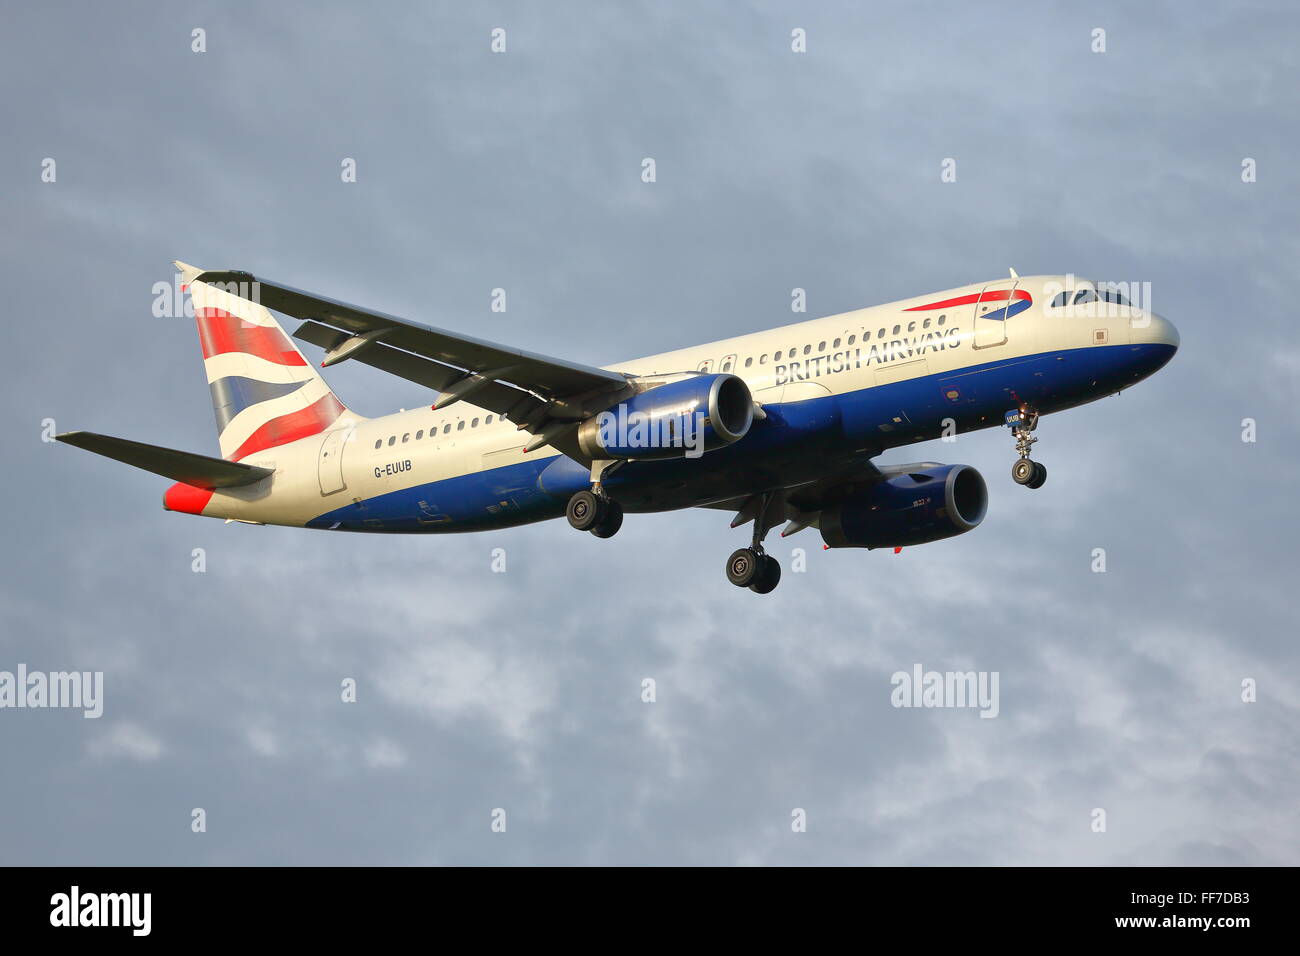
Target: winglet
<point>188,272</point>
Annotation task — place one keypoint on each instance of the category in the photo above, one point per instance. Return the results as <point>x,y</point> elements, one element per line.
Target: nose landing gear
<point>1025,472</point>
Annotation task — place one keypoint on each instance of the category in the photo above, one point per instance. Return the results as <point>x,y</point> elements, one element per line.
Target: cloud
<point>127,741</point>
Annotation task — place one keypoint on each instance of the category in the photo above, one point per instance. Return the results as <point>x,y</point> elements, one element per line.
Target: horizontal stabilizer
<point>197,470</point>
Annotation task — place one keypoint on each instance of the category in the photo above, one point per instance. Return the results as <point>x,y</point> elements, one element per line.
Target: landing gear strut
<point>594,510</point>
<point>753,567</point>
<point>1025,472</point>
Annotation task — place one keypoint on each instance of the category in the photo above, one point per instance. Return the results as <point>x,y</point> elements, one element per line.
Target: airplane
<point>780,426</point>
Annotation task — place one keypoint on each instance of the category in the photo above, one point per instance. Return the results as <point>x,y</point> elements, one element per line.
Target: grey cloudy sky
<point>522,690</point>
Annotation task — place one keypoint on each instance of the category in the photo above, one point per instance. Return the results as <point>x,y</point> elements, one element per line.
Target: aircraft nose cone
<point>1153,329</point>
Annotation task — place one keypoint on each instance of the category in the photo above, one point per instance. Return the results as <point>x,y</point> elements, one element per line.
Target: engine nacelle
<point>914,507</point>
<point>679,419</point>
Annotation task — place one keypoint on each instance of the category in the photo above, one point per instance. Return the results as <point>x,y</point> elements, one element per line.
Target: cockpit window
<point>1089,295</point>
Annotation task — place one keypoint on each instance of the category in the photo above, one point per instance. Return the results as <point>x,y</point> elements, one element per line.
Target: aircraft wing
<point>524,386</point>
<point>800,504</point>
<point>201,471</point>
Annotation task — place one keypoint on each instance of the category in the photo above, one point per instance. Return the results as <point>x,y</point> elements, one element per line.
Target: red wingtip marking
<point>898,551</point>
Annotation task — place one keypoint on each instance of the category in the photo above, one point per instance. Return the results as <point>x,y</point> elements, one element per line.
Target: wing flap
<point>493,396</point>
<point>199,471</point>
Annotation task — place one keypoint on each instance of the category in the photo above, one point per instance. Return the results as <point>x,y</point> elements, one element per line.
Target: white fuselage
<point>835,355</point>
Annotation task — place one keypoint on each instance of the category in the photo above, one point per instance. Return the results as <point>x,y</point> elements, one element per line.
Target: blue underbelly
<point>797,442</point>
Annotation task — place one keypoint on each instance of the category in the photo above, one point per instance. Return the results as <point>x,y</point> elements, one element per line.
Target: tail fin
<point>264,392</point>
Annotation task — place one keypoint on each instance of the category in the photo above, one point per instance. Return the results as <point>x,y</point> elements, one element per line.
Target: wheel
<point>1040,476</point>
<point>743,567</point>
<point>608,525</point>
<point>585,511</point>
<point>1023,471</point>
<point>769,576</point>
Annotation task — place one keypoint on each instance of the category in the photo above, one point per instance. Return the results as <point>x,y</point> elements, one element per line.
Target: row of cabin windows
<point>835,343</point>
<point>446,430</point>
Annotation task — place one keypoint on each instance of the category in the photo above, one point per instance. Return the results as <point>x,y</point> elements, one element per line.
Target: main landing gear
<point>598,514</point>
<point>594,510</point>
<point>753,567</point>
<point>1031,474</point>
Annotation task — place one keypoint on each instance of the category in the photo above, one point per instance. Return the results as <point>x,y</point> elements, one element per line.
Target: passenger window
<point>749,361</point>
<point>392,440</point>
<point>762,359</point>
<point>446,428</point>
<point>406,438</point>
<point>880,334</point>
<point>925,324</point>
<point>776,356</point>
<point>474,423</point>
<point>419,434</point>
<point>379,443</point>
<point>460,425</point>
<point>821,346</point>
<point>835,344</point>
<point>488,420</point>
<point>896,328</point>
<point>911,326</point>
<point>807,349</point>
<point>851,339</point>
<point>943,319</point>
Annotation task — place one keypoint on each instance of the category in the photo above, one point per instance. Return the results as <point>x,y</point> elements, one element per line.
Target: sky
<point>484,696</point>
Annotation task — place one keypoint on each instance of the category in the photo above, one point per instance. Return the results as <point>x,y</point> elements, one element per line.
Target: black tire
<point>743,567</point>
<point>769,576</point>
<point>611,522</point>
<point>585,511</point>
<point>1040,476</point>
<point>1023,471</point>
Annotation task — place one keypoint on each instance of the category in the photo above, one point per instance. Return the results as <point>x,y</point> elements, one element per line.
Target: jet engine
<point>679,419</point>
<point>908,507</point>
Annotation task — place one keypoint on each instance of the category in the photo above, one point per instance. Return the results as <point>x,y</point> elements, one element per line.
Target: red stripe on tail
<point>312,420</point>
<point>221,332</point>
